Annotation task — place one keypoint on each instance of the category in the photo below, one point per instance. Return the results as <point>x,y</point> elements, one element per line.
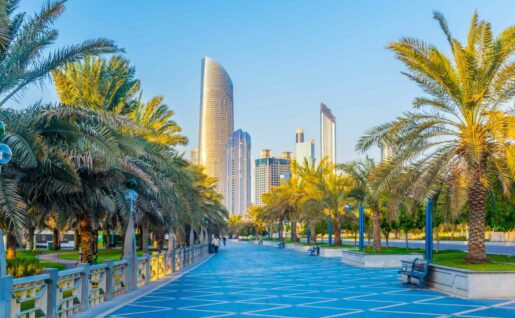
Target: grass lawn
<point>456,259</point>
<point>32,255</point>
<point>103,255</point>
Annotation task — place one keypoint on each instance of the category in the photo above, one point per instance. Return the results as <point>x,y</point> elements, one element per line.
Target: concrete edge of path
<point>106,308</point>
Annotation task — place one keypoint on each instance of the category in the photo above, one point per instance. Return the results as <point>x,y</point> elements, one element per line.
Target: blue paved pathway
<point>246,280</point>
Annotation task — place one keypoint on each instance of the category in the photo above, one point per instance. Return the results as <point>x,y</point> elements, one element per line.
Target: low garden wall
<point>471,284</point>
<point>64,293</point>
<point>361,259</point>
<point>324,251</point>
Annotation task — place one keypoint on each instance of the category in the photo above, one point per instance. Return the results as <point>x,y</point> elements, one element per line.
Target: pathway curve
<point>246,280</point>
<point>54,257</point>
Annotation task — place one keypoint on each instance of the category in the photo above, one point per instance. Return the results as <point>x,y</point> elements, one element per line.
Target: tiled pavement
<point>246,280</point>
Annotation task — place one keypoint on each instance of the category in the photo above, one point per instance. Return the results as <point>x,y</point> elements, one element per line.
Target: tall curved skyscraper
<point>216,120</point>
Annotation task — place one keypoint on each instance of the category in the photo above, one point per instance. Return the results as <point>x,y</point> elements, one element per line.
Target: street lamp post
<point>5,157</point>
<point>330,230</point>
<point>361,226</point>
<point>429,229</point>
<point>129,245</point>
<point>308,233</point>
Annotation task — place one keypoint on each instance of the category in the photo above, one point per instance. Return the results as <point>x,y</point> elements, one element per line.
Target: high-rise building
<point>327,134</point>
<point>194,156</point>
<point>270,171</point>
<point>304,150</point>
<point>216,120</point>
<point>238,186</point>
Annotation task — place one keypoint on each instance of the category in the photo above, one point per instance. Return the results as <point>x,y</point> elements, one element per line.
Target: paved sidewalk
<point>54,257</point>
<point>246,280</point>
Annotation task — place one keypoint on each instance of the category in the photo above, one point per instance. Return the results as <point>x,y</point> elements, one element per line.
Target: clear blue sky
<point>284,57</point>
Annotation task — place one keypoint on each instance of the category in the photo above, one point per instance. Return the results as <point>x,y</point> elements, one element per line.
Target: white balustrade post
<point>6,291</point>
<point>52,291</point>
<point>84,277</point>
<point>147,270</point>
<point>109,280</point>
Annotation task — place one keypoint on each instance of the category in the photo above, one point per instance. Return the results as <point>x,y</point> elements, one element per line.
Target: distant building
<point>269,172</point>
<point>238,182</point>
<point>216,120</point>
<point>327,134</point>
<point>194,156</point>
<point>304,150</point>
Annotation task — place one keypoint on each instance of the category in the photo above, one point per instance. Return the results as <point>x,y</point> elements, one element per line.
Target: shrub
<point>21,267</point>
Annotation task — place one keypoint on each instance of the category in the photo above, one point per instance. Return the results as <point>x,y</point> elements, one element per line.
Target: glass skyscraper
<point>238,182</point>
<point>304,150</point>
<point>327,134</point>
<point>216,120</point>
<point>269,172</point>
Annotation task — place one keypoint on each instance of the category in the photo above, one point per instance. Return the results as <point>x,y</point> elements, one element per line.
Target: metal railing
<point>64,293</point>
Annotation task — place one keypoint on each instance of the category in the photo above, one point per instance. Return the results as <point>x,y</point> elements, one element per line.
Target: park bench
<point>280,245</point>
<point>314,251</point>
<point>417,270</point>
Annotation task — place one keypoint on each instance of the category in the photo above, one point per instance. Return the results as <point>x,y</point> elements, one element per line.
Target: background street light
<point>361,223</point>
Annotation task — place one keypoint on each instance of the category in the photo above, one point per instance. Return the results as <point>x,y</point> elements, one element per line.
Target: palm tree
<point>360,172</point>
<point>254,214</point>
<point>99,84</point>
<point>23,41</point>
<point>157,118</point>
<point>310,208</point>
<point>461,129</point>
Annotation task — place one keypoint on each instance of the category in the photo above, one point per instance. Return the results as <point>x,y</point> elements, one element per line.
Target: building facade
<point>327,134</point>
<point>269,172</point>
<point>194,156</point>
<point>304,150</point>
<point>216,120</point>
<point>238,182</point>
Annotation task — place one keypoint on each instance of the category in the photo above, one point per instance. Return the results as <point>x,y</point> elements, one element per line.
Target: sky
<point>284,57</point>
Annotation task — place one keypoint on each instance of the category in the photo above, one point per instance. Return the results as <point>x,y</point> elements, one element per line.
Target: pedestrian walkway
<point>246,280</point>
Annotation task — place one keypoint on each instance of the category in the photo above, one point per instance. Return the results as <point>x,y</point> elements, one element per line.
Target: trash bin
<point>49,245</point>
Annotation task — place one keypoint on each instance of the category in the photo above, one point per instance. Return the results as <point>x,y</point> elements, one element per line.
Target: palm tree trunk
<point>294,231</point>
<point>406,236</point>
<point>377,230</point>
<point>30,239</point>
<point>144,237</point>
<point>108,237</point>
<point>11,243</point>
<point>86,240</point>
<point>76,239</point>
<point>337,232</point>
<point>55,239</point>
<point>477,205</point>
<point>313,238</point>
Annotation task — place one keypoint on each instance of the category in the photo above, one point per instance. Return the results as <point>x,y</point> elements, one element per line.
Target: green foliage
<point>20,267</point>
<point>500,212</point>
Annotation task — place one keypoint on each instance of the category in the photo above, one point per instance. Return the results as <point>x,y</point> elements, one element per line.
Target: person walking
<point>224,240</point>
<point>216,244</point>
